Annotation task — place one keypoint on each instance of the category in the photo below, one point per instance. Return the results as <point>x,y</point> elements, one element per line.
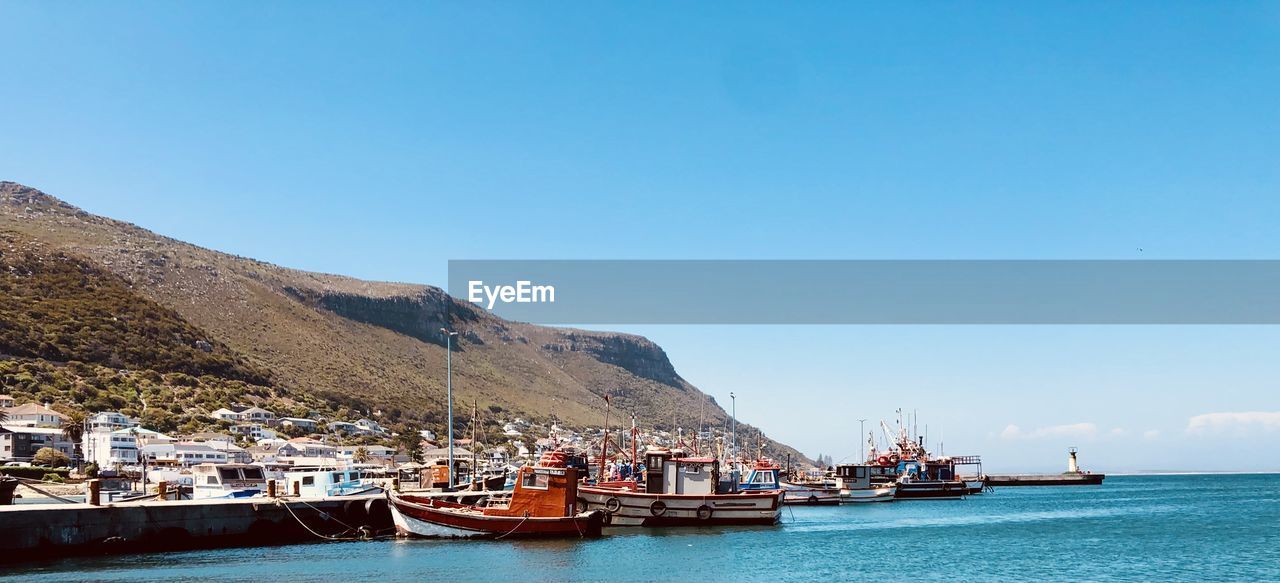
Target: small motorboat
<point>543,504</point>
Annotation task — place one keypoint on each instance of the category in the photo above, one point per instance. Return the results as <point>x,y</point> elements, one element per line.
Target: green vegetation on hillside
<point>60,307</point>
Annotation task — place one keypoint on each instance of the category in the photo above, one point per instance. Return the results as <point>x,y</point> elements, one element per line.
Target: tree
<point>411,444</point>
<point>49,457</point>
<point>361,455</point>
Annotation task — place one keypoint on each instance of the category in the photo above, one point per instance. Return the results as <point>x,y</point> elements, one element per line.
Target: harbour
<point>1122,530</point>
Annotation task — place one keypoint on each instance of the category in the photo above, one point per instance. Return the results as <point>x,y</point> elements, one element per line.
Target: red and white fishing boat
<point>682,491</point>
<point>543,504</point>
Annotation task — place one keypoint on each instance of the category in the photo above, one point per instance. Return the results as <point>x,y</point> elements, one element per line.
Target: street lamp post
<point>733,405</point>
<point>448,347</point>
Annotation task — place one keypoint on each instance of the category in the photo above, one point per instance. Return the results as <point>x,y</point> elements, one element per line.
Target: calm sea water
<point>1151,528</point>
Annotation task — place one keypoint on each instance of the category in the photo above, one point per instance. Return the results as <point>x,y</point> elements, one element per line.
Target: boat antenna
<point>475,418</point>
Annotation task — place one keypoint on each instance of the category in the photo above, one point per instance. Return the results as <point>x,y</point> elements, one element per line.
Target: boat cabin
<point>318,482</point>
<point>857,476</point>
<point>227,481</point>
<point>763,476</point>
<point>668,472</point>
<point>943,470</point>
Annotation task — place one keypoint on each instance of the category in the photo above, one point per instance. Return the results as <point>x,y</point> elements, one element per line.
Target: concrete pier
<point>41,531</point>
<point>1076,479</point>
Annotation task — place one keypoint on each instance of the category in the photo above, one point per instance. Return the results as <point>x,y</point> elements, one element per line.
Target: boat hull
<point>801,495</point>
<point>931,489</point>
<point>435,519</point>
<point>975,485</point>
<point>868,495</point>
<point>627,508</point>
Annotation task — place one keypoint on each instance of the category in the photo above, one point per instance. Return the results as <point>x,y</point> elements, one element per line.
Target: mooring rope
<point>521,523</point>
<point>343,536</point>
<point>27,482</point>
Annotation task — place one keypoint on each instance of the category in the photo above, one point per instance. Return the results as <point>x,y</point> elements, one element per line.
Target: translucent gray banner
<point>872,292</point>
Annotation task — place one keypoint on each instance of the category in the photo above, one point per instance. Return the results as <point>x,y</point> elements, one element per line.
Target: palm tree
<point>73,430</point>
<point>361,455</point>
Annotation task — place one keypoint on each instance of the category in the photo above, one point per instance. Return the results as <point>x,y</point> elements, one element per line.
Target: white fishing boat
<point>317,482</point>
<point>765,475</point>
<point>227,481</point>
<point>856,486</point>
<point>682,491</point>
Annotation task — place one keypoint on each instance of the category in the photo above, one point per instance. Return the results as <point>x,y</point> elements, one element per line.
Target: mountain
<point>129,298</point>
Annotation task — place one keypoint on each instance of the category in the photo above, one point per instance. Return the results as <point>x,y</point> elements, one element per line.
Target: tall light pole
<point>448,347</point>
<point>733,405</point>
<point>862,445</point>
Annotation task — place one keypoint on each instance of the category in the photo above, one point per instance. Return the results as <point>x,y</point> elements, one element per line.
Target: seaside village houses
<point>28,428</point>
<point>114,441</point>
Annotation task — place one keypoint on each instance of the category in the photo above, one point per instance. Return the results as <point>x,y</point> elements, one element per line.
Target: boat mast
<point>635,463</point>
<point>604,443</point>
<point>475,417</point>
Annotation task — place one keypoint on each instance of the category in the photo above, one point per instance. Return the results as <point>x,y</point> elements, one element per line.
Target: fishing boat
<point>316,482</point>
<point>682,491</point>
<point>856,485</point>
<point>929,479</point>
<point>765,475</point>
<point>227,481</point>
<point>544,504</point>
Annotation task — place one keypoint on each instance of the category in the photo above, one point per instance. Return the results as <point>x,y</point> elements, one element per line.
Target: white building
<point>108,421</point>
<point>370,427</point>
<point>258,415</point>
<point>235,453</point>
<point>6,401</point>
<point>254,431</point>
<point>343,427</point>
<point>33,415</point>
<point>376,452</point>
<point>225,415</point>
<point>300,423</point>
<point>183,454</point>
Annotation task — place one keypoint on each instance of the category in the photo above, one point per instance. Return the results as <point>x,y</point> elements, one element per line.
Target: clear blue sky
<point>382,139</point>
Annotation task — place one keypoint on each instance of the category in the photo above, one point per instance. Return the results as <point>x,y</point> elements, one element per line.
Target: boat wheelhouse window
<point>859,472</point>
<point>336,477</point>
<point>252,474</point>
<point>308,480</point>
<point>764,477</point>
<point>535,480</point>
<point>211,480</point>
<point>229,473</point>
<point>695,469</point>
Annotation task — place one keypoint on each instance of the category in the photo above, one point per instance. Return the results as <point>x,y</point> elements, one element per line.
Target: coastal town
<point>112,443</point>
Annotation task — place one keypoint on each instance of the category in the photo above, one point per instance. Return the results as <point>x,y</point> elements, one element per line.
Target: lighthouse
<point>1072,466</point>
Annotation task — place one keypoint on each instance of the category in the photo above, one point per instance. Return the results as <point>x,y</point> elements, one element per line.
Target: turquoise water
<point>1150,528</point>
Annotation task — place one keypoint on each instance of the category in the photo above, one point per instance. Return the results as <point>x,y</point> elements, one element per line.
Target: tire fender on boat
<point>705,512</point>
<point>813,498</point>
<point>583,505</point>
<point>612,505</point>
<point>658,508</point>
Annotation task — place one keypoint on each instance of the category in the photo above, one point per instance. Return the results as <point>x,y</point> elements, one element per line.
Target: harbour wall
<point>1045,480</point>
<point>41,531</point>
